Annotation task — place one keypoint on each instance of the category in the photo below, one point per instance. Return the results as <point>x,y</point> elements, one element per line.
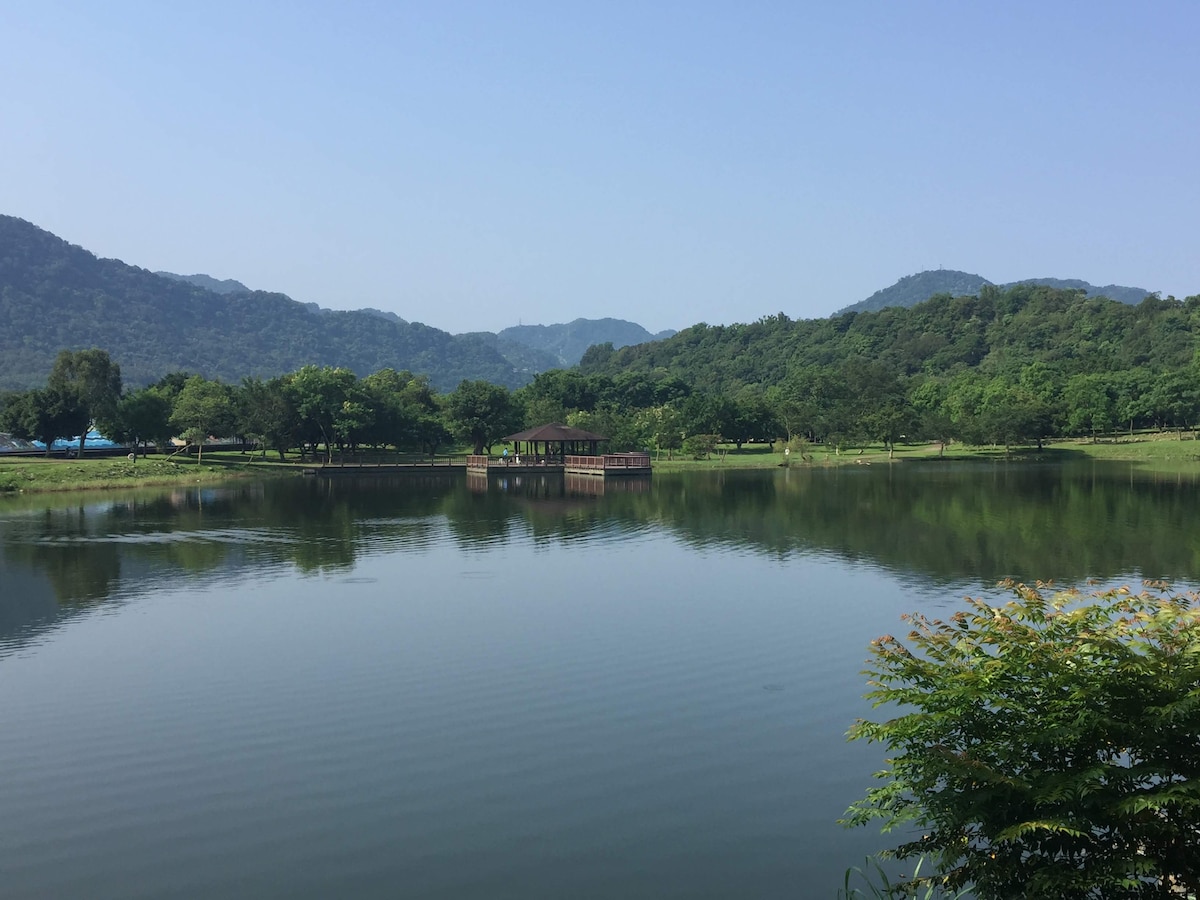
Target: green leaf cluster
<point>1046,747</point>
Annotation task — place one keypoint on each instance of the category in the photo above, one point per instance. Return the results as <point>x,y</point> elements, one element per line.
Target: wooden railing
<point>524,460</point>
<point>610,461</point>
<point>603,461</point>
<point>627,460</point>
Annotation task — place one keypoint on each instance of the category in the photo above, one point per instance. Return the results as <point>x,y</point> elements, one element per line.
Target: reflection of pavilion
<point>559,448</point>
<point>591,486</point>
<point>554,484</point>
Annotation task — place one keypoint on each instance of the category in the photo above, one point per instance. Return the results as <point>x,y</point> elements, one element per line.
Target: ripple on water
<point>219,535</point>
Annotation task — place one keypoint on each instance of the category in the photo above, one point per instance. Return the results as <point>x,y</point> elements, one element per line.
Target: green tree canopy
<point>202,408</point>
<point>266,412</point>
<point>89,383</point>
<point>322,394</point>
<point>39,415</point>
<point>481,413</point>
<point>1046,747</point>
<point>139,417</point>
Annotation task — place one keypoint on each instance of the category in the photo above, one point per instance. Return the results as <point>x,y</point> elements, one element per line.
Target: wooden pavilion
<point>554,442</point>
<point>560,448</point>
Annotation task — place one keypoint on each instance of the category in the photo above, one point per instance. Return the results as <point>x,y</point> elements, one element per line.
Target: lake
<point>529,688</point>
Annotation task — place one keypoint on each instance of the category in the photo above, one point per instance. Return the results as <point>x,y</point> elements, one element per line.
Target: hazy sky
<point>472,165</point>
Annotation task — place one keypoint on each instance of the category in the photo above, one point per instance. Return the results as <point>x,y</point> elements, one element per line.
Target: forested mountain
<point>997,332</point>
<point>913,289</point>
<point>216,285</point>
<point>1117,292</point>
<point>1002,368</point>
<point>528,348</point>
<point>567,343</point>
<point>55,296</point>
<point>523,357</point>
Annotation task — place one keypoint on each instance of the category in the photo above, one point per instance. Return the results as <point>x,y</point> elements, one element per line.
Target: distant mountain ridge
<point>216,285</point>
<point>568,342</point>
<point>55,295</point>
<point>538,346</point>
<point>913,289</point>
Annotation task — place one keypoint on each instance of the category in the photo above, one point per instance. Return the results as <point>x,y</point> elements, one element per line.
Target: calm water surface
<point>442,689</point>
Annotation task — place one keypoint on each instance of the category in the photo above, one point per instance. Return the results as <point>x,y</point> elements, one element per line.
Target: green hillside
<point>997,332</point>
<point>216,285</point>
<point>568,342</point>
<point>55,296</point>
<point>913,289</point>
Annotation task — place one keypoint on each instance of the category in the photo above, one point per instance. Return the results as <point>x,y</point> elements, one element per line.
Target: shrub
<point>1048,747</point>
<point>701,446</point>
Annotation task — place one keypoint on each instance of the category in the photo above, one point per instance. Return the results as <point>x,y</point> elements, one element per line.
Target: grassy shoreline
<point>1159,451</point>
<point>1169,452</point>
<point>37,475</point>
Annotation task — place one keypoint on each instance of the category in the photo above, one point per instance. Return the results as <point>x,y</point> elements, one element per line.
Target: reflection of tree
<point>80,569</point>
<point>60,573</point>
<point>79,573</point>
<point>324,518</point>
<point>951,522</point>
<point>476,516</point>
<point>196,556</point>
<point>549,505</point>
<point>313,525</point>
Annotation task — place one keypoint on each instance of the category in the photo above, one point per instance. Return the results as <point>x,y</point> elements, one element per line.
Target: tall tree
<point>202,408</point>
<point>663,428</point>
<point>266,412</point>
<point>92,381</point>
<point>1091,404</point>
<point>421,402</point>
<point>39,415</point>
<point>931,420</point>
<point>880,409</point>
<point>322,393</point>
<point>142,416</point>
<point>481,413</point>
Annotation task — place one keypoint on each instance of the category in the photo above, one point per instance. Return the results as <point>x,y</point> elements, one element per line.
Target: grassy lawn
<point>1155,450</point>
<point>1158,449</point>
<point>34,474</point>
<point>761,456</point>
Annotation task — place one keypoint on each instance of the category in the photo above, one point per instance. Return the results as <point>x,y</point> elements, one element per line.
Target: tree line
<point>315,407</point>
<point>843,405</point>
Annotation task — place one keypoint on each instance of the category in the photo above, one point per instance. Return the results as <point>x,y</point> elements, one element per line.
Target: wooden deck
<point>604,465</point>
<point>608,464</point>
<point>442,466</point>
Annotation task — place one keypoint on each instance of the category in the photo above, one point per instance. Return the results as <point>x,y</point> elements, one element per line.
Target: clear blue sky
<point>472,165</point>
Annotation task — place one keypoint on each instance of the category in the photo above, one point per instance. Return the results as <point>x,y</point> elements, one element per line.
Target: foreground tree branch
<point>1048,747</point>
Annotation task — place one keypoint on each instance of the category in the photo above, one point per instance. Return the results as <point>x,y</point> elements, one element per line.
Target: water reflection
<point>522,689</point>
<point>944,522</point>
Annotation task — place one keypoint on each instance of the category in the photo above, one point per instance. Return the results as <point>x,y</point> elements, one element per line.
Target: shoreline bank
<point>29,475</point>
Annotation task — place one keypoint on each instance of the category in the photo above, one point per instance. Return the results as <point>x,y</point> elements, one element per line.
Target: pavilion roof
<point>554,432</point>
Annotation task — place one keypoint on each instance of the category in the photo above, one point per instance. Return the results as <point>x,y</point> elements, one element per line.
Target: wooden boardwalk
<point>447,465</point>
<point>604,465</point>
